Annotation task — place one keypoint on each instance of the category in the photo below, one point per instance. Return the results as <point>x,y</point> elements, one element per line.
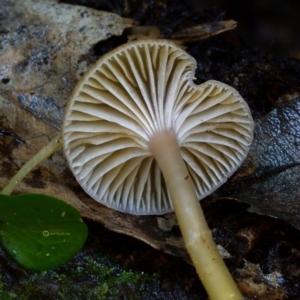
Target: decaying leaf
<point>260,285</point>
<point>45,50</point>
<point>203,31</point>
<point>190,34</point>
<point>269,177</point>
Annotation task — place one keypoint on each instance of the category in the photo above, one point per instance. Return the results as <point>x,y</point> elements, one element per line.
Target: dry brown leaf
<point>269,177</point>
<point>186,35</point>
<point>45,50</point>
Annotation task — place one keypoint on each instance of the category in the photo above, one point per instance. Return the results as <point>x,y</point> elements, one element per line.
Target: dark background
<point>264,24</point>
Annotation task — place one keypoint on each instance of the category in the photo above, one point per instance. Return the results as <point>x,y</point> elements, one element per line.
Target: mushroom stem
<point>44,153</point>
<point>197,236</point>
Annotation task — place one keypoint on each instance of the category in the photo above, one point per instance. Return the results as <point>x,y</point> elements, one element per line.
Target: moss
<point>94,279</point>
<point>4,294</point>
<point>116,279</point>
<point>107,281</point>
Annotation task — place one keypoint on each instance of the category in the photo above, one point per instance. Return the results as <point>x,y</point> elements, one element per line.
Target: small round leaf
<point>40,232</point>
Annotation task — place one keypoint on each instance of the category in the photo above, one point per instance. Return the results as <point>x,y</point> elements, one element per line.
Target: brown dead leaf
<point>45,50</point>
<point>269,177</point>
<point>203,31</point>
<point>186,35</point>
<point>259,285</point>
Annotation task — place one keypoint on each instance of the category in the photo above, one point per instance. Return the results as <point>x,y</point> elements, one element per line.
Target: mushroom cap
<point>133,92</point>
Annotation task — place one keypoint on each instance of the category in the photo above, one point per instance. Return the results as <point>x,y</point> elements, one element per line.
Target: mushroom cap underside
<point>131,93</point>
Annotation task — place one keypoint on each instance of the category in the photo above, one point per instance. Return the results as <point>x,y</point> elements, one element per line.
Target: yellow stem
<point>44,153</point>
<point>197,236</point>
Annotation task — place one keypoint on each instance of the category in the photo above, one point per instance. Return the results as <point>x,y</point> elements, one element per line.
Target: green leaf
<point>40,232</point>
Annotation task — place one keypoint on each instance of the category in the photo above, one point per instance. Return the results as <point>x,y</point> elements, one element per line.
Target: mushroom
<point>142,138</point>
